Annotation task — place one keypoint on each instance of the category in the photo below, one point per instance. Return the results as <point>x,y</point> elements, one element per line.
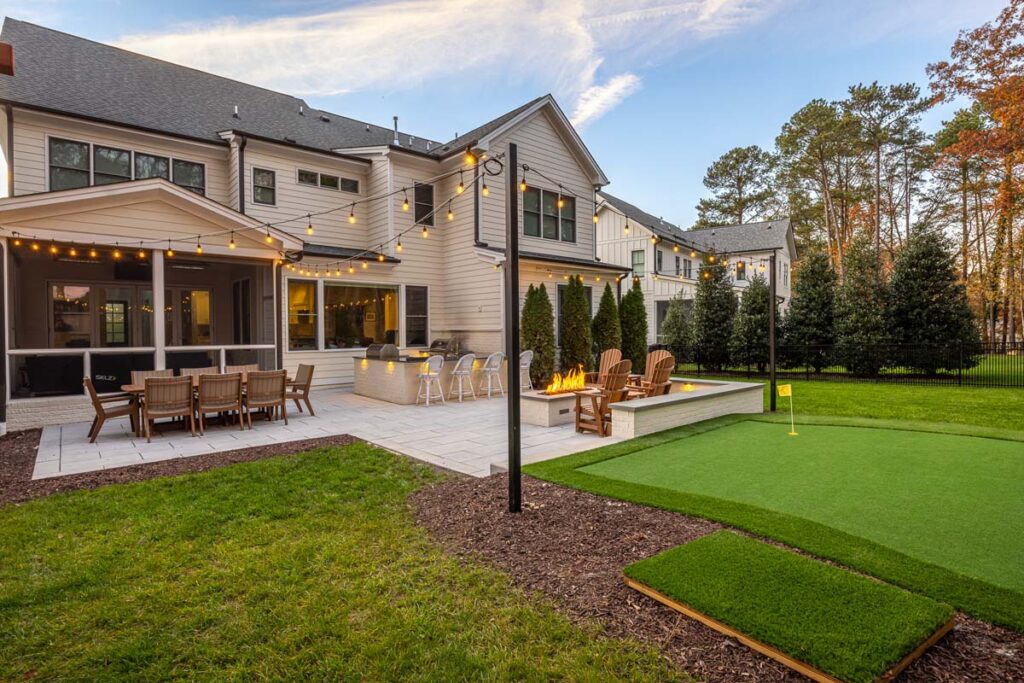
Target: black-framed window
<point>264,186</point>
<point>637,261</point>
<point>423,194</point>
<point>687,268</point>
<point>589,292</point>
<point>302,315</point>
<point>348,185</point>
<point>309,178</point>
<point>542,216</point>
<point>658,259</point>
<point>152,166</point>
<point>329,181</point>
<point>678,267</point>
<point>357,315</point>
<point>416,315</point>
<point>568,216</point>
<point>741,270</point>
<point>69,164</point>
<point>111,165</point>
<point>785,274</point>
<point>190,175</point>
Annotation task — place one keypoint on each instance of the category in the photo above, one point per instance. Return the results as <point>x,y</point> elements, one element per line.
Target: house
<point>666,259</point>
<point>155,216</point>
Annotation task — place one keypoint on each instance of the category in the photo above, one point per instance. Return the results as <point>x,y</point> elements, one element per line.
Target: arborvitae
<point>633,316</point>
<point>606,327</point>
<point>810,320</point>
<point>861,333</point>
<point>928,309</point>
<point>677,329</point>
<point>714,307</point>
<point>537,332</point>
<point>574,325</point>
<point>749,343</point>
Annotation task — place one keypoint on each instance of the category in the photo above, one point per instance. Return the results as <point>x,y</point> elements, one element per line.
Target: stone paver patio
<point>467,437</point>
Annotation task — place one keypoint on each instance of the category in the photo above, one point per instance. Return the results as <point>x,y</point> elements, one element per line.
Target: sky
<point>657,89</point>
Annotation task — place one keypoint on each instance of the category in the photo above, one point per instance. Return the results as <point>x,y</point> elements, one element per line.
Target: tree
<point>810,320</point>
<point>928,306</point>
<point>750,332</point>
<point>575,345</point>
<point>677,329</point>
<point>860,311</point>
<point>607,328</point>
<point>714,307</point>
<point>741,182</point>
<point>537,332</point>
<point>633,317</point>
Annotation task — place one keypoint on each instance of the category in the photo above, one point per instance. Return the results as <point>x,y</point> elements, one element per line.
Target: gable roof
<point>478,133</point>
<point>762,236</point>
<point>658,226</point>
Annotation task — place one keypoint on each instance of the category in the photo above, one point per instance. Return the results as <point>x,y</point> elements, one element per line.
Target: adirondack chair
<point>594,406</point>
<point>609,357</point>
<point>656,380</point>
<point>653,357</point>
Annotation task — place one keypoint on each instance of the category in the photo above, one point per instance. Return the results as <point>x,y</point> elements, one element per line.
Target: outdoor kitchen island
<point>394,379</point>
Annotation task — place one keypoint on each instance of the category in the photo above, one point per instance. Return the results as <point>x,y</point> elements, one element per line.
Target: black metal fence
<point>985,365</point>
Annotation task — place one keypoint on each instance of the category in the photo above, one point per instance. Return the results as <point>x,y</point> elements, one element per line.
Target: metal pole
<point>515,475</point>
<point>771,334</point>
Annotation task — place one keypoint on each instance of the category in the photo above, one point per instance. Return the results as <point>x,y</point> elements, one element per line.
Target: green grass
<point>916,508</point>
<point>295,568</point>
<point>838,622</point>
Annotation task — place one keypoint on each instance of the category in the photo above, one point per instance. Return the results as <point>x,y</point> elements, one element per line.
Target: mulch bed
<point>571,546</point>
<point>18,457</point>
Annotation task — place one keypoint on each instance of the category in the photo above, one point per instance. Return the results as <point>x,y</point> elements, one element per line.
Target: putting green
<point>949,500</point>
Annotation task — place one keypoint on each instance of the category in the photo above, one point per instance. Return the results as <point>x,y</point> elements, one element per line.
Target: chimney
<point>396,142</point>
<point>6,59</point>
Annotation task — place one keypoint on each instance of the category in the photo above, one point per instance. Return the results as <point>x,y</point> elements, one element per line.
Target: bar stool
<point>492,371</point>
<point>462,373</point>
<point>430,376</point>
<point>525,361</point>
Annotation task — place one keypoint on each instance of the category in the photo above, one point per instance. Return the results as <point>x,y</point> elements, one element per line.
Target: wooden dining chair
<point>299,388</point>
<point>609,357</point>
<point>657,380</point>
<point>199,372</point>
<point>219,394</point>
<point>108,407</point>
<point>594,406</point>
<point>168,397</point>
<point>243,369</point>
<point>266,390</point>
<point>140,376</point>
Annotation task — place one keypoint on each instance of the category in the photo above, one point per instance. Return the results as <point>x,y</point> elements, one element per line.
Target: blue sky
<point>658,89</point>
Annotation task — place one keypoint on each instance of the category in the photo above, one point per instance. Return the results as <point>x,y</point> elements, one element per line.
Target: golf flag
<point>787,390</point>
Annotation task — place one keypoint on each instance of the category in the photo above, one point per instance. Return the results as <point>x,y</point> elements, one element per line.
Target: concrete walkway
<point>467,437</point>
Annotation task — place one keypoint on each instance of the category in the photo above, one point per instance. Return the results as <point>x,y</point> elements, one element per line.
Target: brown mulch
<point>571,546</point>
<point>18,457</point>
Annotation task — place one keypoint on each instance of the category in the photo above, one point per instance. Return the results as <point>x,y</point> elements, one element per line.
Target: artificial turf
<point>846,625</point>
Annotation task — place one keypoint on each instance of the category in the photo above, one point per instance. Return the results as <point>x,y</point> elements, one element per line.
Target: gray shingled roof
<point>761,236</point>
<point>482,131</point>
<point>61,72</point>
<point>658,226</point>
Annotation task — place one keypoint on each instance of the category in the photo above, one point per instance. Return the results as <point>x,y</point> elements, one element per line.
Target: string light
<point>561,201</point>
<point>380,256</point>
<point>199,247</point>
<point>365,265</point>
<point>470,159</point>
<point>170,251</point>
<point>352,214</point>
<point>484,190</point>
<point>92,252</point>
<point>595,218</point>
<point>73,252</point>
<point>675,248</point>
<point>461,187</point>
<point>522,183</point>
<point>351,269</point>
<point>231,244</point>
<point>309,225</point>
<point>398,245</point>
<point>141,253</point>
<point>268,238</point>
<point>117,253</point>
<point>53,249</point>
<point>426,233</point>
<point>693,254</point>
<point>35,246</point>
<point>654,239</point>
<point>405,200</point>
<point>17,242</point>
<point>626,229</point>
<point>451,215</point>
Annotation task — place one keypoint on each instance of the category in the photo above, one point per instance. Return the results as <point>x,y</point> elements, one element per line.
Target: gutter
<point>295,145</point>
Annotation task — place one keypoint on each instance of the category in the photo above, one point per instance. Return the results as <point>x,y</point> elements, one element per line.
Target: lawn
<point>934,512</point>
<point>301,567</point>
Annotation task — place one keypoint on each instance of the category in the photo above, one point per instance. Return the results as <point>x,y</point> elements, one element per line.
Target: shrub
<point>607,329</point>
<point>537,332</point>
<point>677,329</point>
<point>714,307</point>
<point>574,323</point>
<point>749,343</point>
<point>633,317</point>
<point>810,320</point>
<point>861,331</point>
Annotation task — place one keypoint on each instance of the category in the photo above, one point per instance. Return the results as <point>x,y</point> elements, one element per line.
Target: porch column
<point>159,304</point>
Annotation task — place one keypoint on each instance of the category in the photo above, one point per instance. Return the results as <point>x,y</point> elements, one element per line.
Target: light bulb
<point>231,244</point>
<point>17,242</point>
<point>484,190</point>
<point>522,184</point>
<point>170,252</point>
<point>351,270</point>
<point>595,219</point>
<point>365,265</point>
<point>117,254</point>
<point>561,202</point>
<point>425,232</point>
<point>35,247</point>
<point>398,247</point>
<point>405,203</point>
<point>53,249</point>
<point>73,252</point>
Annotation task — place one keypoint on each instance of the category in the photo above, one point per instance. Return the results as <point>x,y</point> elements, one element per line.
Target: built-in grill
<point>447,347</point>
<point>382,351</point>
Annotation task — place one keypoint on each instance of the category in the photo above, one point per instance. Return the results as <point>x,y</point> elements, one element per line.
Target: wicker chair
<point>168,397</point>
<point>430,376</point>
<point>266,390</point>
<point>461,374</point>
<point>597,417</point>
<point>105,411</point>
<point>492,372</point>
<point>199,372</point>
<point>243,369</point>
<point>219,394</point>
<point>525,361</point>
<point>299,389</point>
<point>140,376</point>
<point>609,357</point>
<point>656,380</point>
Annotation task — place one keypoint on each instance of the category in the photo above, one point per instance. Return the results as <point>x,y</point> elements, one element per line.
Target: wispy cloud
<point>584,52</point>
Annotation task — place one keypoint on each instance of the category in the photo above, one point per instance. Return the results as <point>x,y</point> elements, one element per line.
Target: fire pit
<point>574,380</point>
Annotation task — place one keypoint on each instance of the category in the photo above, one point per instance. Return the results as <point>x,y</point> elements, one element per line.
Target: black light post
<point>515,475</point>
<point>771,333</point>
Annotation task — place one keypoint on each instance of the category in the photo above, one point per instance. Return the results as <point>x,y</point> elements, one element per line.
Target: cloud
<point>385,45</point>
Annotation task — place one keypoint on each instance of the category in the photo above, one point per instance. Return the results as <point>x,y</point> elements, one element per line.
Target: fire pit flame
<point>574,380</point>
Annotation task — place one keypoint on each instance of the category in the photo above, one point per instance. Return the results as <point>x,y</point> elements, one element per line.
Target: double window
<point>331,182</point>
<point>264,186</point>
<point>637,261</point>
<point>687,268</point>
<point>424,200</point>
<point>678,269</point>
<point>549,215</point>
<point>75,164</point>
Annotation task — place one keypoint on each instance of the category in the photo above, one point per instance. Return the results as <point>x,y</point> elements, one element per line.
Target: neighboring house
<point>666,259</point>
<point>153,216</point>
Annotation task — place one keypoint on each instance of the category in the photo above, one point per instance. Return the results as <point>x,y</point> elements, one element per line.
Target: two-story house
<point>666,259</point>
<point>153,215</point>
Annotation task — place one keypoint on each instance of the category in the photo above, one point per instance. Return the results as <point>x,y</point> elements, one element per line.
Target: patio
<point>467,438</point>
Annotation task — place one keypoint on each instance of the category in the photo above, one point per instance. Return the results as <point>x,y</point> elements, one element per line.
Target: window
<point>357,316</point>
<point>188,318</point>
<point>84,315</point>
<point>741,270</point>
<point>308,178</point>
<point>69,164</point>
<point>150,166</point>
<point>588,291</point>
<point>329,181</point>
<point>531,212</point>
<point>638,263</point>
<point>424,196</point>
<point>302,310</point>
<point>785,275</point>
<point>115,311</point>
<point>543,218</point>
<point>111,165</point>
<point>72,318</point>
<point>678,269</point>
<point>416,303</point>
<point>549,208</point>
<point>568,216</point>
<point>241,310</point>
<point>263,186</point>
<point>687,268</point>
<point>658,260</point>
<point>190,175</point>
<point>349,185</point>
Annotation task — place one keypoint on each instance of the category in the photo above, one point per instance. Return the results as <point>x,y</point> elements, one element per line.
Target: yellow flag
<point>785,390</point>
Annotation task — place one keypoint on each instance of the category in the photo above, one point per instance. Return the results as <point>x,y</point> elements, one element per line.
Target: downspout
<point>476,211</point>
<point>241,174</point>
<point>9,112</point>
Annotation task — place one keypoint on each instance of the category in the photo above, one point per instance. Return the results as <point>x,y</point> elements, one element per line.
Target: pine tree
<point>633,316</point>
<point>607,329</point>
<point>677,329</point>
<point>574,322</point>
<point>928,308</point>
<point>714,307</point>
<point>537,332</point>
<point>810,320</point>
<point>860,311</point>
<point>749,343</point>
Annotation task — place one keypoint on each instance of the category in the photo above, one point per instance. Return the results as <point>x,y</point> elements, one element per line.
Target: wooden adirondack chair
<point>594,406</point>
<point>656,381</point>
<point>653,357</point>
<point>609,357</point>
